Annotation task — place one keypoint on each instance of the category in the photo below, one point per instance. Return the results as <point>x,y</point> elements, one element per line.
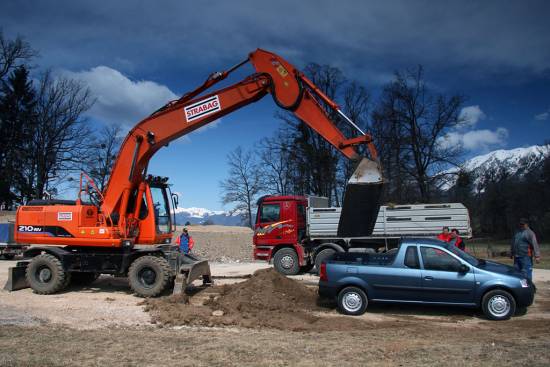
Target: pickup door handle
<point>429,278</point>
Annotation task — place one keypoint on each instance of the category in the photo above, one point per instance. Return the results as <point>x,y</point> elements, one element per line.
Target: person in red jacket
<point>444,236</point>
<point>185,242</point>
<point>457,240</point>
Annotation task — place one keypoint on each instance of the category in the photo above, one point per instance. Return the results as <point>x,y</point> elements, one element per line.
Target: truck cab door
<point>442,279</point>
<point>276,223</point>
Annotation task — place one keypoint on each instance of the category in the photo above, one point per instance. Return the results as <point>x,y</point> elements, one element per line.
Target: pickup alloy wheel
<point>498,305</point>
<point>352,301</point>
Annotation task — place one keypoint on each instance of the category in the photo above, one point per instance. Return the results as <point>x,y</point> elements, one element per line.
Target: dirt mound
<point>268,299</point>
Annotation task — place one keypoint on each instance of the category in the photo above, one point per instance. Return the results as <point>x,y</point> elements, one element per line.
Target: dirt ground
<point>266,322</point>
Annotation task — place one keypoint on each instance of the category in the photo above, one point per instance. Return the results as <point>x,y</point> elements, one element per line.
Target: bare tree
<point>13,53</point>
<point>417,122</point>
<point>274,167</point>
<point>104,151</point>
<point>60,135</point>
<point>243,185</point>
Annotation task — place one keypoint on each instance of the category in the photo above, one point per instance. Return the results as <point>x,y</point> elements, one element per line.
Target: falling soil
<point>266,300</point>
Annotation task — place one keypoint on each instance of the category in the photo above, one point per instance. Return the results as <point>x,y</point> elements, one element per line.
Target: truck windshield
<point>463,255</point>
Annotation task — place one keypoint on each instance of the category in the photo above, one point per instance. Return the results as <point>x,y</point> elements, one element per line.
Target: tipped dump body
<point>361,200</point>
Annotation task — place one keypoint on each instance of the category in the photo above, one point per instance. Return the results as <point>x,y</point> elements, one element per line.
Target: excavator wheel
<point>83,278</point>
<point>149,275</point>
<point>45,274</point>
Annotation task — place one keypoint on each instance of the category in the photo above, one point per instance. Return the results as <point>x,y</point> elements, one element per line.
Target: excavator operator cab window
<point>161,208</point>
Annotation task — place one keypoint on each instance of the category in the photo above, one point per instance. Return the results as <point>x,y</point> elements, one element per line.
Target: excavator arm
<point>290,89</point>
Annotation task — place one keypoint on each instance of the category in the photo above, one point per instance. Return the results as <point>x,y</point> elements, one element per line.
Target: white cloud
<point>120,100</point>
<point>542,116</point>
<point>475,140</point>
<point>470,115</point>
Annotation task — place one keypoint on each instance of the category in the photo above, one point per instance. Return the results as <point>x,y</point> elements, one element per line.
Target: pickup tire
<point>45,274</point>
<point>286,261</point>
<point>322,256</point>
<point>149,275</point>
<point>352,301</point>
<point>498,305</point>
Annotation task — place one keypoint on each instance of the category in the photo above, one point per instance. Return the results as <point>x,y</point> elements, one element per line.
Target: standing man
<point>524,246</point>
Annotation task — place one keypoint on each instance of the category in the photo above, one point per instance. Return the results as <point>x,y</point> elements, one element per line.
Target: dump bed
<point>415,220</point>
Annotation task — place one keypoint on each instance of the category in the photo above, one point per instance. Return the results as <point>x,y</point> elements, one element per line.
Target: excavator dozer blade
<point>361,200</point>
<point>16,277</point>
<point>191,268</point>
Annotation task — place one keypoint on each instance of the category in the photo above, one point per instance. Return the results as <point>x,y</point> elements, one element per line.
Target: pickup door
<point>441,279</point>
<point>397,284</point>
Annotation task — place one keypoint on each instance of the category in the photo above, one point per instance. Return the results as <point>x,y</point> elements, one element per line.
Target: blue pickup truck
<point>425,271</point>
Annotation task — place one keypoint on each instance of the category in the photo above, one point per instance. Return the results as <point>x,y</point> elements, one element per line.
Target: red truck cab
<point>280,227</point>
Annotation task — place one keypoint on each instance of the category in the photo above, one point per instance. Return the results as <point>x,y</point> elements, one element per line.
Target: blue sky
<point>136,55</point>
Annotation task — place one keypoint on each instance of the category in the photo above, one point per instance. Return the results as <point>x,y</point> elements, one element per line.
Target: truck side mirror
<point>463,269</point>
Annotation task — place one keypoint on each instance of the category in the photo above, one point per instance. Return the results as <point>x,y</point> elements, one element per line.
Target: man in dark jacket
<point>524,246</point>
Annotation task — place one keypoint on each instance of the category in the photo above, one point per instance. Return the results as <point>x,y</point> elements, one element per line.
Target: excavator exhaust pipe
<point>361,200</point>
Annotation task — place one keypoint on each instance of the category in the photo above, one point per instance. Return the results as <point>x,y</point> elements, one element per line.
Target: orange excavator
<point>126,230</point>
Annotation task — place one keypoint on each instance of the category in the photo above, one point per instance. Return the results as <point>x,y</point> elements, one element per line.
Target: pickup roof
<point>425,271</point>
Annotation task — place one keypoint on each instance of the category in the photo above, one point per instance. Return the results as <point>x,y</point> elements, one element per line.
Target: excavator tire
<point>83,278</point>
<point>45,274</point>
<point>149,275</point>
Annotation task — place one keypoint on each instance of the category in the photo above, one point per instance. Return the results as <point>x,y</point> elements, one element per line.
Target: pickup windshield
<point>463,255</point>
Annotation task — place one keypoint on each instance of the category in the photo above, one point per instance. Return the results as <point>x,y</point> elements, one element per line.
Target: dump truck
<point>298,233</point>
<point>126,229</point>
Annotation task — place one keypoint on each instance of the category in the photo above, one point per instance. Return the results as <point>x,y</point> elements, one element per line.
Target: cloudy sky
<point>136,55</point>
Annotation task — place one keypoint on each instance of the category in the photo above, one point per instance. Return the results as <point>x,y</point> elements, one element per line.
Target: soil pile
<point>266,300</point>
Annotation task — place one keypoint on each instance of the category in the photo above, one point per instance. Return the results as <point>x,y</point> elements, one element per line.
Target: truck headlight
<point>524,283</point>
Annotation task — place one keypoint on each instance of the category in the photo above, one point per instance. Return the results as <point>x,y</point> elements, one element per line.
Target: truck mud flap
<point>16,277</point>
<point>191,268</point>
<point>361,200</point>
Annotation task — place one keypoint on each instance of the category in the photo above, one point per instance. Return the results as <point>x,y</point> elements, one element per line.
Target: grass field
<point>493,250</point>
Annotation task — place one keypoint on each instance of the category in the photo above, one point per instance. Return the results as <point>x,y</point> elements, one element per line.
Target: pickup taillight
<point>323,272</point>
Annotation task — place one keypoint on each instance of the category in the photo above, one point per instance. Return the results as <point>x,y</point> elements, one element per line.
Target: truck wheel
<point>322,256</point>
<point>286,262</point>
<point>84,278</point>
<point>149,275</point>
<point>45,274</point>
<point>352,301</point>
<point>498,305</point>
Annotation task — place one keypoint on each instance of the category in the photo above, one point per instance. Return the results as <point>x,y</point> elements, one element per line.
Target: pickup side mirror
<point>463,269</point>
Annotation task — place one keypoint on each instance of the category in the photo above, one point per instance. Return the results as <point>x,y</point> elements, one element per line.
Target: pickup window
<point>436,259</point>
<point>270,213</point>
<point>411,258</point>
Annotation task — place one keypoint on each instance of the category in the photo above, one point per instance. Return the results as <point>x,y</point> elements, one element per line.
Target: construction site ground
<point>104,324</point>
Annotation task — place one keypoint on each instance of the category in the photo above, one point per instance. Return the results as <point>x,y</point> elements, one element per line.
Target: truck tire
<point>498,305</point>
<point>83,278</point>
<point>286,261</point>
<point>352,301</point>
<point>45,274</point>
<point>322,256</point>
<point>149,275</point>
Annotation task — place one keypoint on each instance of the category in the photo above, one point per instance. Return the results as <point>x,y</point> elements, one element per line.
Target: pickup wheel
<point>322,256</point>
<point>286,261</point>
<point>45,274</point>
<point>149,275</point>
<point>498,305</point>
<point>352,301</point>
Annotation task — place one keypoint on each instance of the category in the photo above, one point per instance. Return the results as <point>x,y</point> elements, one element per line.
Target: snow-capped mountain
<point>201,215</point>
<point>516,161</point>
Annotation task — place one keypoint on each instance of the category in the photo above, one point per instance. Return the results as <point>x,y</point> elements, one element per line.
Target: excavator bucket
<point>361,200</point>
<point>190,268</point>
